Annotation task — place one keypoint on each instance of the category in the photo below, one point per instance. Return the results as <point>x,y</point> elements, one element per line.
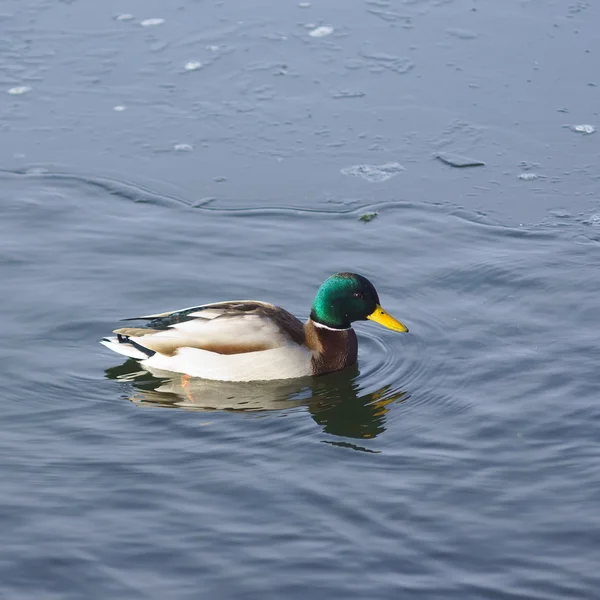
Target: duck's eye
<point>358,295</point>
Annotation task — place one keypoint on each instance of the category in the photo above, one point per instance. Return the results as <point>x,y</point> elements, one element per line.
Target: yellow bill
<point>380,316</point>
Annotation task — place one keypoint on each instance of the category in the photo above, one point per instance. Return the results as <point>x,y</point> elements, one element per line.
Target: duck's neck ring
<point>321,326</point>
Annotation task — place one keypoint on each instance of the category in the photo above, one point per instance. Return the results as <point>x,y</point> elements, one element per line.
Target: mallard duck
<point>249,340</point>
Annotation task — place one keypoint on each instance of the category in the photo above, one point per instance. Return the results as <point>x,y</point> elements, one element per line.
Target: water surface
<point>457,461</point>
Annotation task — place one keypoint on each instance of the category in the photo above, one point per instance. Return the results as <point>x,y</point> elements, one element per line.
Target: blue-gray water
<point>460,461</point>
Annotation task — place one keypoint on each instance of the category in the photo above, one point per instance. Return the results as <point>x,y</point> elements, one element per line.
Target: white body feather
<point>277,363</point>
<point>184,347</point>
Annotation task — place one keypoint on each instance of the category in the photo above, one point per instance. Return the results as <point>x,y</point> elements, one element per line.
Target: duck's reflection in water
<point>334,401</point>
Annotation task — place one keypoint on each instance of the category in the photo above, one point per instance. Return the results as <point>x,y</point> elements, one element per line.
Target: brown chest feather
<point>332,350</point>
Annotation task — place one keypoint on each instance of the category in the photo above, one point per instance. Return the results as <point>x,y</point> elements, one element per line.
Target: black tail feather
<point>123,339</point>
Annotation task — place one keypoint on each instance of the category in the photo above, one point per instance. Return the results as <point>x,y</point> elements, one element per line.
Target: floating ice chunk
<point>183,147</point>
<point>304,4</point>
<point>528,176</point>
<point>585,129</point>
<point>319,32</point>
<point>192,65</point>
<point>458,161</point>
<point>119,108</point>
<point>461,34</point>
<point>374,173</point>
<point>594,220</point>
<point>151,22</point>
<point>347,94</point>
<point>19,90</point>
<point>125,17</point>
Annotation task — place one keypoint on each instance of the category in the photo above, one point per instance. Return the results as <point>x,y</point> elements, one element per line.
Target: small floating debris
<point>368,217</point>
<point>585,129</point>
<point>125,17</point>
<point>344,94</point>
<point>183,147</point>
<point>212,48</point>
<point>458,161</point>
<point>528,176</point>
<point>304,4</point>
<point>119,108</point>
<point>192,65</point>
<point>319,32</point>
<point>151,22</point>
<point>18,90</point>
<point>374,173</point>
<point>220,179</point>
<point>461,34</point>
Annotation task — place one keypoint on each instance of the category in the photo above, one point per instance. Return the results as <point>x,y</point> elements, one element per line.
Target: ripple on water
<point>481,421</point>
<point>464,294</point>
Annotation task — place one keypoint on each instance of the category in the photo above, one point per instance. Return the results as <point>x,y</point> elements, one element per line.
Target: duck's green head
<point>347,297</point>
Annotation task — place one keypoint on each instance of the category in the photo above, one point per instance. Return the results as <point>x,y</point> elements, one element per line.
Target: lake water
<point>230,151</point>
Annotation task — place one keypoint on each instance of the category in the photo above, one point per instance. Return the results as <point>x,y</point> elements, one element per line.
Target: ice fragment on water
<point>151,22</point>
<point>347,94</point>
<point>374,173</point>
<point>528,176</point>
<point>183,147</point>
<point>319,32</point>
<point>125,17</point>
<point>192,65</point>
<point>20,89</point>
<point>594,220</point>
<point>119,108</point>
<point>461,34</point>
<point>458,161</point>
<point>383,60</point>
<point>586,129</point>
